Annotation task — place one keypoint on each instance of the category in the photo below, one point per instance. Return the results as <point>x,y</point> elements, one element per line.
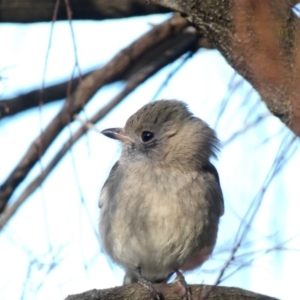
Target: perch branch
<point>169,292</point>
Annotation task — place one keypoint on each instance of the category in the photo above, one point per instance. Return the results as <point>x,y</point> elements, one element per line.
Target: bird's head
<point>165,131</point>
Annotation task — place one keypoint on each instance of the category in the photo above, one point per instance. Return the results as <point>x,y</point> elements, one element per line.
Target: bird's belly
<point>160,241</point>
<point>158,228</point>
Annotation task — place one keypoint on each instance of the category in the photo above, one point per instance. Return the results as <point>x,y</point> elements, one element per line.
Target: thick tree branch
<point>260,39</point>
<point>22,102</point>
<point>170,292</point>
<point>28,11</point>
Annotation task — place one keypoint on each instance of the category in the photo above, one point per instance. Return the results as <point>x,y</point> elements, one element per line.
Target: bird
<point>162,201</point>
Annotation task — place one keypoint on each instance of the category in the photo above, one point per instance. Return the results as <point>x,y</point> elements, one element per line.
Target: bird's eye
<point>147,136</point>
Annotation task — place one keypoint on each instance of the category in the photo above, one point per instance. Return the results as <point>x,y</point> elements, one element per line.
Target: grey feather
<point>161,204</point>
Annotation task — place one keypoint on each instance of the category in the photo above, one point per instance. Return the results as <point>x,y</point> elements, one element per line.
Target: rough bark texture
<point>260,39</point>
<point>169,292</point>
<point>26,11</point>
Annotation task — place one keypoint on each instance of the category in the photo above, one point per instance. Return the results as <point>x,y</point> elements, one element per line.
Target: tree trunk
<point>260,40</point>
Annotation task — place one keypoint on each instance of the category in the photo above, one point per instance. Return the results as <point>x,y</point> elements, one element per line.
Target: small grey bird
<point>161,204</point>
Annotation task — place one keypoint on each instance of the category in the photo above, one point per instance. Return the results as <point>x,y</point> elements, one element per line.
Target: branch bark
<point>29,11</point>
<point>22,102</point>
<point>260,39</point>
<point>169,292</point>
<point>188,41</point>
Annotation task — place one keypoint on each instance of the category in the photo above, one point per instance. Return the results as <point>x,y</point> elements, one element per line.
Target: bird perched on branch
<point>161,204</point>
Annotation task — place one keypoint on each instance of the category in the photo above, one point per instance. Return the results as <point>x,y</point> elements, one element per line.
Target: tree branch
<point>169,292</point>
<point>12,106</point>
<point>28,11</point>
<point>22,102</point>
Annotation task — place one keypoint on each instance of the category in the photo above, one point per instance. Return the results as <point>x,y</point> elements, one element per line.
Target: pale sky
<point>57,217</point>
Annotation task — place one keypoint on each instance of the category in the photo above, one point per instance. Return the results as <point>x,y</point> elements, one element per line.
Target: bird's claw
<point>155,294</point>
<point>183,285</point>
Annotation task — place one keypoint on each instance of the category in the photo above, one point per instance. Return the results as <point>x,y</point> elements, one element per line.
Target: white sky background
<point>57,215</point>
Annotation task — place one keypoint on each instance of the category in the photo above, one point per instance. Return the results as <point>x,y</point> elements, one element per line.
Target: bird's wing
<point>211,169</point>
<point>103,194</point>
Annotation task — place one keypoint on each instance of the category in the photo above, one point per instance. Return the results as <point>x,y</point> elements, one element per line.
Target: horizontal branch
<point>22,102</point>
<point>28,11</point>
<point>169,292</point>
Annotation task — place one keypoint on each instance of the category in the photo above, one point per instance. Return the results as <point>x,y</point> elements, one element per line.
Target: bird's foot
<point>184,288</point>
<point>155,294</point>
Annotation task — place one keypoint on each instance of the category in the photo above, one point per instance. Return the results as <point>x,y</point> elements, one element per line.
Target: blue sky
<point>59,221</point>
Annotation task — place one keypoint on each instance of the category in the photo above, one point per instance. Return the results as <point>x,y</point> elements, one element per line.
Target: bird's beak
<point>117,134</point>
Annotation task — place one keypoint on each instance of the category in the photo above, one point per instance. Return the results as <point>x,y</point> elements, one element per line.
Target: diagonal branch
<point>189,40</point>
<point>22,102</point>
<point>87,88</point>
